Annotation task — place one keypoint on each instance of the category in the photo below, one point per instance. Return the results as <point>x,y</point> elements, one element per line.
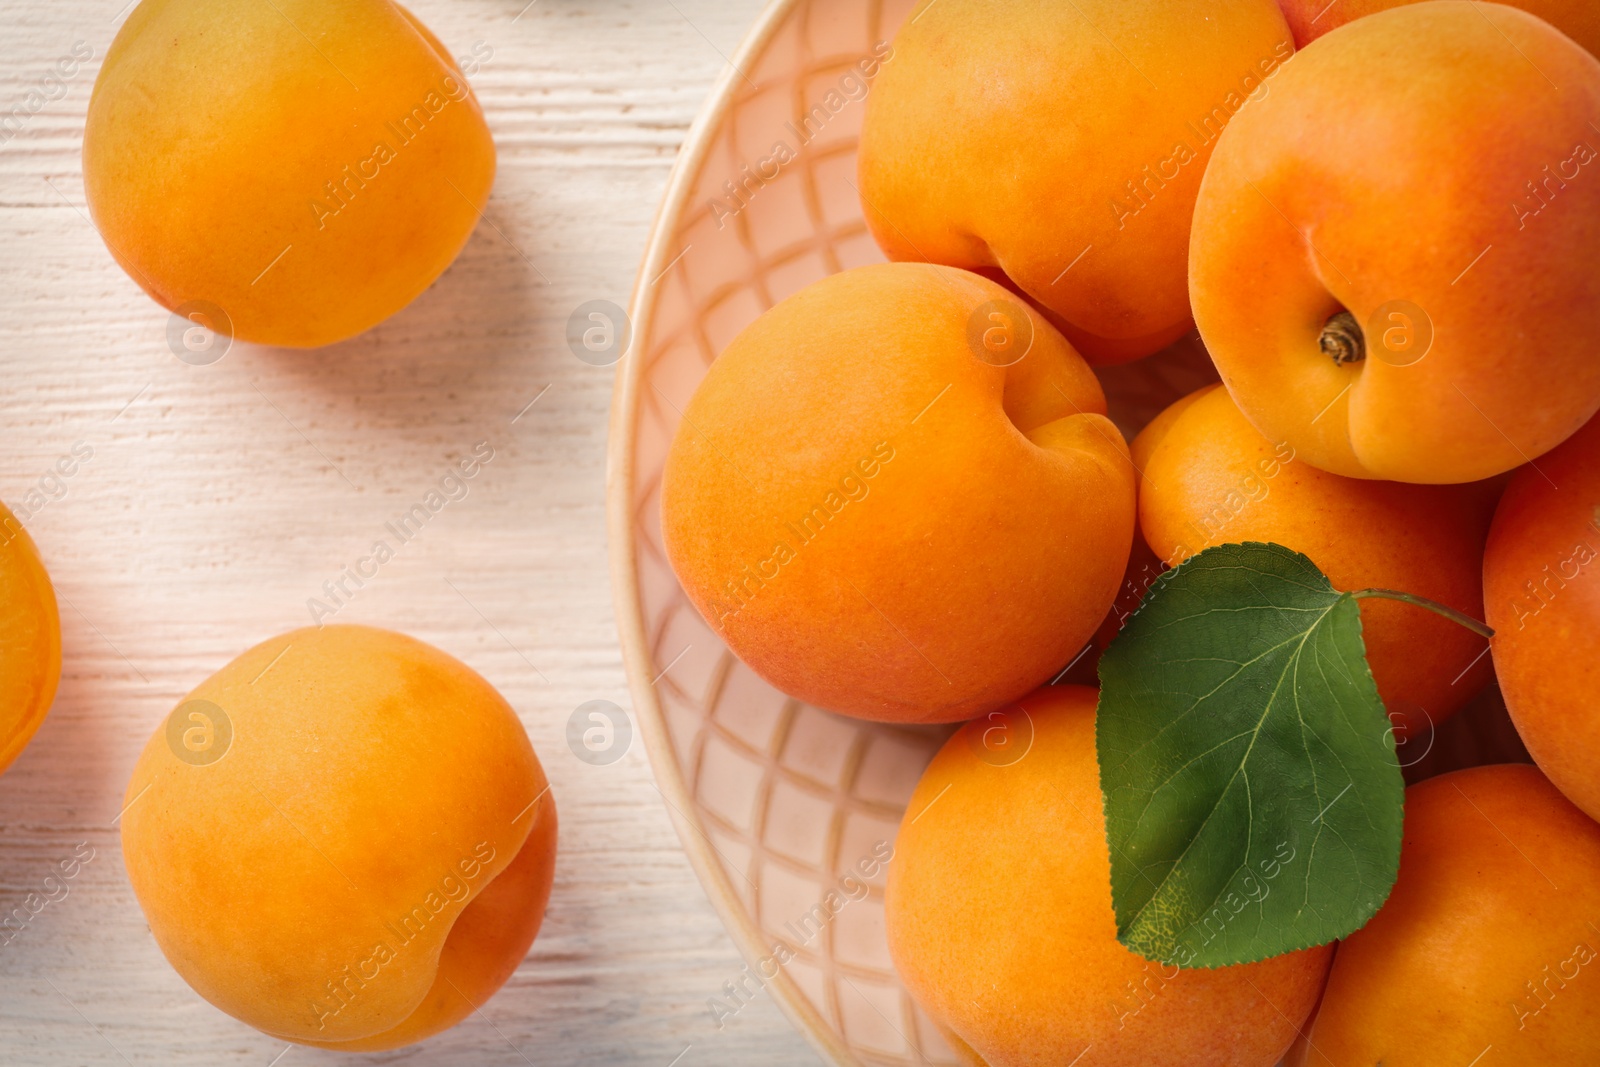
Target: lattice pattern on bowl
<point>776,802</point>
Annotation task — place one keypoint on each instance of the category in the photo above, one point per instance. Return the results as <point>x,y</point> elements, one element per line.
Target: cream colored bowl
<point>779,804</point>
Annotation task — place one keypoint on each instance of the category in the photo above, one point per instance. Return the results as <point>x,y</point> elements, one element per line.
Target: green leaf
<point>1252,790</point>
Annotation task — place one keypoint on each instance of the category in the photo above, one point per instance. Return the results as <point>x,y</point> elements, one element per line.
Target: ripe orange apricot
<point>290,173</point>
<point>1486,951</point>
<point>1396,253</point>
<point>882,519</point>
<point>30,639</point>
<point>1310,19</point>
<point>1210,478</point>
<point>999,917</point>
<point>342,838</point>
<point>1541,577</point>
<point>1062,144</point>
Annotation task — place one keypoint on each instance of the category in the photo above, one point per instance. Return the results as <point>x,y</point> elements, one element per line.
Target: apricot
<point>883,516</point>
<point>1484,949</point>
<point>1396,253</point>
<point>999,918</point>
<point>342,838</point>
<point>290,173</point>
<point>30,639</point>
<point>1310,19</point>
<point>1062,145</point>
<point>1210,478</point>
<point>1541,579</point>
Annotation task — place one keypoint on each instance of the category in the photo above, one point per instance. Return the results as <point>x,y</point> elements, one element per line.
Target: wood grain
<point>220,498</point>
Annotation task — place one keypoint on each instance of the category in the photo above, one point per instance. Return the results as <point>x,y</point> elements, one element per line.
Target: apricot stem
<point>1342,340</point>
<point>1481,629</point>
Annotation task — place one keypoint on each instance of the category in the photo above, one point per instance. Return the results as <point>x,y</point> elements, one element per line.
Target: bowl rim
<point>620,485</point>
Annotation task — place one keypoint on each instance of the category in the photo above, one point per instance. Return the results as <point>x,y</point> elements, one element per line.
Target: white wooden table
<point>219,499</point>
